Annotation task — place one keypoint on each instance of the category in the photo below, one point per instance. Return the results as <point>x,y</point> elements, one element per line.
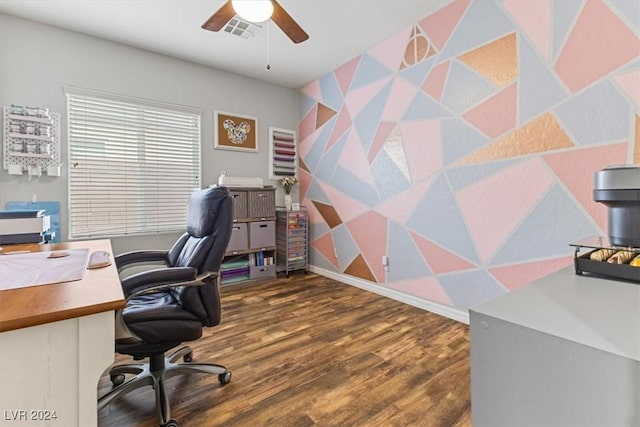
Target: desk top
<point>98,291</point>
<point>599,313</point>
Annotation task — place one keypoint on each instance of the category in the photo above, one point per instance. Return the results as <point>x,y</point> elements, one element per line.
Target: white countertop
<point>600,313</point>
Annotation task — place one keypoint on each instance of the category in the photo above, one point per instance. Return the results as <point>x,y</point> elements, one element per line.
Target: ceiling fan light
<point>253,10</point>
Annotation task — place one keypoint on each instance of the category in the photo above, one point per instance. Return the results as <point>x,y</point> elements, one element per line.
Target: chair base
<point>155,373</point>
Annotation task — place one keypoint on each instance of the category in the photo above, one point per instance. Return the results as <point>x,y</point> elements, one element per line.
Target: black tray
<point>602,268</point>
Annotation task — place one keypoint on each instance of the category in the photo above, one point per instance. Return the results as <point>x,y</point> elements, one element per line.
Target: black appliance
<point>618,187</point>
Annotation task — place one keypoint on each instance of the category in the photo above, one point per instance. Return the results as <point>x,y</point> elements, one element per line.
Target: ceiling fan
<point>274,12</point>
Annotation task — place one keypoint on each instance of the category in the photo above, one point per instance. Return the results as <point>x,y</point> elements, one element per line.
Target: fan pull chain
<point>268,45</point>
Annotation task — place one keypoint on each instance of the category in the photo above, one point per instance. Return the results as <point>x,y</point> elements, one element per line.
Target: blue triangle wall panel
<point>346,248</point>
<point>329,160</point>
<point>406,261</point>
<point>389,179</point>
<point>565,13</point>
<point>465,88</point>
<point>418,72</point>
<point>437,218</point>
<point>459,139</point>
<point>472,288</point>
<point>539,88</point>
<point>369,71</point>
<point>463,176</point>
<point>555,222</point>
<point>354,187</point>
<point>331,93</point>
<point>313,156</point>
<point>315,192</point>
<point>366,122</point>
<point>318,260</point>
<point>423,107</point>
<point>482,23</point>
<point>599,114</point>
<point>305,103</point>
<point>629,10</point>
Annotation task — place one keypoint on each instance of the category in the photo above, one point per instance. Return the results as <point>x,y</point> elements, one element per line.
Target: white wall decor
<point>31,137</point>
<point>283,153</point>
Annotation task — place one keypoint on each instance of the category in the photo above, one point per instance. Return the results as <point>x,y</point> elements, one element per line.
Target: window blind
<point>132,164</point>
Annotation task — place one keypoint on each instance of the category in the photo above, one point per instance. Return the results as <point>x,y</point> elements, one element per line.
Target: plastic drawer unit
<point>292,231</point>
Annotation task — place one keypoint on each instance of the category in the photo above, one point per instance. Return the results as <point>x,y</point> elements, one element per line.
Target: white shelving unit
<point>29,152</point>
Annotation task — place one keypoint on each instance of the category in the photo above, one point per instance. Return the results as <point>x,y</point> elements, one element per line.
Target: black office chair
<point>168,306</point>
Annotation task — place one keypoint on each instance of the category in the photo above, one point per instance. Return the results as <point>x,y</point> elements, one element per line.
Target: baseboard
<point>430,306</point>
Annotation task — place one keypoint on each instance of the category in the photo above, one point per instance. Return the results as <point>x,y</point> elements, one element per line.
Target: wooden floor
<point>309,351</point>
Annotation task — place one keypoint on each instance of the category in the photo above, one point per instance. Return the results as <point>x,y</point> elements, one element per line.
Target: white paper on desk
<point>36,268</point>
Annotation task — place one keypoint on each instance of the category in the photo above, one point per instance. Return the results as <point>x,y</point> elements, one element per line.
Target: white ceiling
<point>338,31</point>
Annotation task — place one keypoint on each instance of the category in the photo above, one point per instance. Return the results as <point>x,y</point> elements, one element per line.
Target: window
<point>132,164</point>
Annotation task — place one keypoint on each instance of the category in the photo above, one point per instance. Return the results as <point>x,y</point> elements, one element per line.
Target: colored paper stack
<point>234,270</point>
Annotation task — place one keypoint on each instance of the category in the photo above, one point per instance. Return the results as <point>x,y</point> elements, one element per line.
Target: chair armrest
<point>160,276</point>
<point>199,281</point>
<point>138,257</point>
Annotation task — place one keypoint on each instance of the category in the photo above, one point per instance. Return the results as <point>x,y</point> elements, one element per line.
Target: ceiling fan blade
<point>287,24</point>
<point>220,18</point>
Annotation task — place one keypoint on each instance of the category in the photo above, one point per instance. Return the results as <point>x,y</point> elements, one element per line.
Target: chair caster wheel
<point>188,357</point>
<point>171,423</point>
<point>224,378</point>
<point>116,380</point>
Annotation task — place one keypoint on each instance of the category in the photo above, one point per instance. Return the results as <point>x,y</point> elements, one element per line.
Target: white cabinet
<point>31,141</point>
<point>562,351</point>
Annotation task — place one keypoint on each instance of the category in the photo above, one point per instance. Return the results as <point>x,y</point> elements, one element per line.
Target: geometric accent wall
<point>464,147</point>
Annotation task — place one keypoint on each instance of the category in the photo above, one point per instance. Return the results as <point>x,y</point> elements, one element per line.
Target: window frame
<point>143,208</point>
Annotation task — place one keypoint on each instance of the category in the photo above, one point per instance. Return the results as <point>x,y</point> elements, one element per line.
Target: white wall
<point>37,61</point>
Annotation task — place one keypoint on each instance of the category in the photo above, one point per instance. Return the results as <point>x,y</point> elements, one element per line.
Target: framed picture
<point>235,132</point>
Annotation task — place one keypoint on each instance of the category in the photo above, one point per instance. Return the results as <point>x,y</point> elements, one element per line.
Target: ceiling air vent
<point>239,27</point>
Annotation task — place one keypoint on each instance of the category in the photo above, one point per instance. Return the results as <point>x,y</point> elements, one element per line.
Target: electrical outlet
<point>385,262</point>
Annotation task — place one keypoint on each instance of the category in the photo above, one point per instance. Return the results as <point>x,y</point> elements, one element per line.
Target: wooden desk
<point>55,342</point>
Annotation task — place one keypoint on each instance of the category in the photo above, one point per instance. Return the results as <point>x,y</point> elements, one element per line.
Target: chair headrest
<point>202,210</point>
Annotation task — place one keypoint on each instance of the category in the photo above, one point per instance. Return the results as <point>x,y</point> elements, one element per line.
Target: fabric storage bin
<point>239,204</point>
<point>262,234</point>
<point>262,203</point>
<point>262,271</point>
<point>239,238</point>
